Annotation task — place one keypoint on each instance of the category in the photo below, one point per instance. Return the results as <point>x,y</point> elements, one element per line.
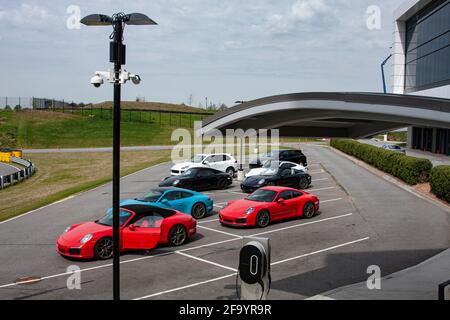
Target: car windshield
<point>269,172</point>
<point>152,196</point>
<point>107,220</point>
<point>198,158</point>
<point>189,173</point>
<point>262,195</point>
<point>270,164</point>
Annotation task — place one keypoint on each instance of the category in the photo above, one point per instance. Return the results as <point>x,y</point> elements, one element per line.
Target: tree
<point>8,107</point>
<point>18,107</point>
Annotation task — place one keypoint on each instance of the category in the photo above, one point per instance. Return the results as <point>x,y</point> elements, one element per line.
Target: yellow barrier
<point>16,153</point>
<point>5,156</point>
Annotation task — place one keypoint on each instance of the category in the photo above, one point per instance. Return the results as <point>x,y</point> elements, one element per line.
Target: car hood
<point>237,208</point>
<point>253,180</point>
<point>254,172</point>
<point>170,180</point>
<point>78,232</point>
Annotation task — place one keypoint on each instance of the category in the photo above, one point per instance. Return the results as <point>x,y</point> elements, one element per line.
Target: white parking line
<point>320,251</point>
<point>207,221</point>
<point>301,225</point>
<point>234,274</point>
<point>331,200</point>
<point>207,261</point>
<point>316,172</point>
<point>219,231</point>
<point>185,287</point>
<point>322,189</point>
<point>323,179</point>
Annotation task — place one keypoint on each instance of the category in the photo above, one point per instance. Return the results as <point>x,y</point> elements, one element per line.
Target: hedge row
<point>409,169</point>
<point>440,182</point>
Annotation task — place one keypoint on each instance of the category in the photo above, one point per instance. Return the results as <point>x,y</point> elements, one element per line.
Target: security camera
<point>135,78</point>
<point>96,81</point>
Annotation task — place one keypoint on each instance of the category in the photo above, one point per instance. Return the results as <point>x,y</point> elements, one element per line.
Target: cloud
<point>304,10</point>
<point>25,14</point>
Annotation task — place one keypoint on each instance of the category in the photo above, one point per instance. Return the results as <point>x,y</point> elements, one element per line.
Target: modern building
<point>421,63</point>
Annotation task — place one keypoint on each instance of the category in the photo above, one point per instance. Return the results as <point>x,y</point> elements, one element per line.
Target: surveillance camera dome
<point>96,81</point>
<point>136,79</point>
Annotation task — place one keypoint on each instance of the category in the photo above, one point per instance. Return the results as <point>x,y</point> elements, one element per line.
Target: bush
<point>440,182</point>
<point>409,169</point>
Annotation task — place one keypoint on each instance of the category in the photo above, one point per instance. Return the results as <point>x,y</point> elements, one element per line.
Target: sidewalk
<point>420,282</point>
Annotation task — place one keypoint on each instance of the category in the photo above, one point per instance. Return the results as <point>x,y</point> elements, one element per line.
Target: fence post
<point>1,182</point>
<point>160,120</point>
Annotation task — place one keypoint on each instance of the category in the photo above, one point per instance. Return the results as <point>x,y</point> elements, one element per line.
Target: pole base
<point>240,175</point>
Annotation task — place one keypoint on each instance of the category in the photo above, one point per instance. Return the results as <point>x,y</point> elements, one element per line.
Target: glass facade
<point>428,47</point>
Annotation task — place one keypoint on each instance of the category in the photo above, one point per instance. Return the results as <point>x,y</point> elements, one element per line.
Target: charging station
<point>254,269</point>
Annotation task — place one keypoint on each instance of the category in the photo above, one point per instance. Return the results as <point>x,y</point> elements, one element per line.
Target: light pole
<point>117,56</point>
<point>383,78</point>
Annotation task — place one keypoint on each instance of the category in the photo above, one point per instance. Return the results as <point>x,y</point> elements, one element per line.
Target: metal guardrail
<point>16,177</point>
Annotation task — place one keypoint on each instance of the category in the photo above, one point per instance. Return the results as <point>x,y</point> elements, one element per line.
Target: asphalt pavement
<point>364,221</point>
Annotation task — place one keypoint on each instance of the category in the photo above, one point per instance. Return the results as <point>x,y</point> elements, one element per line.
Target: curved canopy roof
<point>333,114</point>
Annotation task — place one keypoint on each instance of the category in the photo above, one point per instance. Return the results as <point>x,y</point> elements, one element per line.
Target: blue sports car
<point>190,202</point>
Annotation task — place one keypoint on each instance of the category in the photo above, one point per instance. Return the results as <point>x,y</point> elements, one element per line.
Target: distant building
<point>421,62</point>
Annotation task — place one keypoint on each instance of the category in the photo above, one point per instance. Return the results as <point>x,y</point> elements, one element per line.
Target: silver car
<point>393,147</point>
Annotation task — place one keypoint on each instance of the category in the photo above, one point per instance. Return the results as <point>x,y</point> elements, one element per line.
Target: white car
<point>273,164</point>
<point>219,161</point>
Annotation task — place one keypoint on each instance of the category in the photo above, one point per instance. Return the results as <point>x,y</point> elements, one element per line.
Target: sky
<point>222,50</point>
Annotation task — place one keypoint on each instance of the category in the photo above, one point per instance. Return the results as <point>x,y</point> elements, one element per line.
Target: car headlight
<point>176,182</point>
<point>249,210</point>
<point>67,229</point>
<point>86,238</point>
<point>262,181</point>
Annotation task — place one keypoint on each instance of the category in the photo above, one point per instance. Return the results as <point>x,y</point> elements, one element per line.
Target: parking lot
<point>308,256</point>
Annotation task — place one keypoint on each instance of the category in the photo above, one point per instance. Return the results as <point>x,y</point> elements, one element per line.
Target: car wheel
<point>103,249</point>
<point>222,184</point>
<point>177,236</point>
<point>198,211</point>
<point>303,184</point>
<point>308,210</point>
<point>263,219</point>
<point>230,171</point>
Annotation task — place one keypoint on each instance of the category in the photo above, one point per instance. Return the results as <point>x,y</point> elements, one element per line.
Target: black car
<point>295,156</point>
<point>286,177</point>
<point>199,179</point>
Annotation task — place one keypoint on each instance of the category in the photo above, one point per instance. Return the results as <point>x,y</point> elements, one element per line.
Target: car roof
<point>166,189</point>
<point>278,189</point>
<point>142,210</point>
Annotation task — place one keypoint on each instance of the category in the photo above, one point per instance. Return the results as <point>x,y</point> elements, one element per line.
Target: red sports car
<point>142,227</point>
<point>269,204</point>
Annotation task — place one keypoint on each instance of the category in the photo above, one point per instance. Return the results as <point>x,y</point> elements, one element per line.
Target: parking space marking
<point>316,172</point>
<point>185,287</point>
<point>322,189</point>
<point>302,224</point>
<point>331,200</point>
<point>234,274</point>
<point>207,221</point>
<point>219,231</point>
<point>207,261</point>
<point>320,251</point>
<point>323,179</point>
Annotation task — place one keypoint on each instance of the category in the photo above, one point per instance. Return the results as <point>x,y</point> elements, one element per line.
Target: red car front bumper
<point>72,250</point>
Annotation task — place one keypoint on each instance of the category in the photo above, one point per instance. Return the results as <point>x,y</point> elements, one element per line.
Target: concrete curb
<point>393,180</point>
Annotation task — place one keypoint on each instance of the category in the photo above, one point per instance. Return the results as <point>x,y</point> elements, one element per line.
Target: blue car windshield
<point>152,195</point>
<point>107,220</point>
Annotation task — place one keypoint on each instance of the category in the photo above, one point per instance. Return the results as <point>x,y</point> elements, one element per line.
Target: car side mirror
<point>281,201</point>
<point>164,201</point>
<point>132,227</point>
<point>206,163</point>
